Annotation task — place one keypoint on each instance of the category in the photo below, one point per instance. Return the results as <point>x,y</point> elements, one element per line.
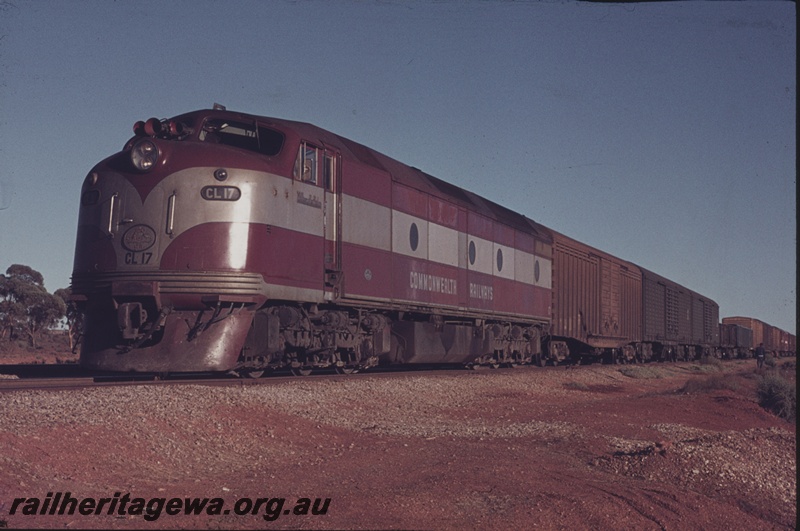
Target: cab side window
<point>329,172</point>
<point>306,167</point>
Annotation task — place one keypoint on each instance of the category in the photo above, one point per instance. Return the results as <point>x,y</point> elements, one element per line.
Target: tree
<point>73,315</point>
<point>25,305</point>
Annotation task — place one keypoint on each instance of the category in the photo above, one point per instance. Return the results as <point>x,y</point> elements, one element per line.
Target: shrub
<point>641,372</point>
<point>580,386</point>
<point>711,361</point>
<point>779,395</point>
<point>704,368</point>
<point>712,383</point>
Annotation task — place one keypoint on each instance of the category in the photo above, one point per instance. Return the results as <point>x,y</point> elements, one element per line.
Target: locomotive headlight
<point>144,155</point>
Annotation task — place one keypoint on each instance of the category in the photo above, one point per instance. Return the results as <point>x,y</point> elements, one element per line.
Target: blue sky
<point>662,133</point>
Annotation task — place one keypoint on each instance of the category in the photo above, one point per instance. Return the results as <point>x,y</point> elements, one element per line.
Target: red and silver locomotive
<point>220,241</point>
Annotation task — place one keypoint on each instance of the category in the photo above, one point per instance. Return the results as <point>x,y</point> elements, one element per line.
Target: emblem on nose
<point>138,238</point>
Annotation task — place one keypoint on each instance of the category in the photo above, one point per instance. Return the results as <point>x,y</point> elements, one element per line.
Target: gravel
<point>203,432</point>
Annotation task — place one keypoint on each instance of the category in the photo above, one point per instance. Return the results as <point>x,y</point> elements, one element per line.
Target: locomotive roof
<point>402,173</point>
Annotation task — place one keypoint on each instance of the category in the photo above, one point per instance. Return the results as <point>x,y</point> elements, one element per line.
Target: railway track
<point>61,377</point>
<point>57,377</point>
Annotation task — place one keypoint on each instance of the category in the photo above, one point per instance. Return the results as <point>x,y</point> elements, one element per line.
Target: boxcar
<point>678,323</point>
<point>735,341</point>
<point>597,302</point>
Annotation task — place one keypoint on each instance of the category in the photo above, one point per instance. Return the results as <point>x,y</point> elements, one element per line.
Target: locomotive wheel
<point>346,370</point>
<point>301,371</point>
<point>255,374</point>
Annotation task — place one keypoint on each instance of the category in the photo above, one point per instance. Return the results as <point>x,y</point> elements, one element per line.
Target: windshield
<point>242,135</point>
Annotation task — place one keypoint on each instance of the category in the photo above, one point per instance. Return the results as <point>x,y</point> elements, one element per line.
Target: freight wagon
<point>735,341</point>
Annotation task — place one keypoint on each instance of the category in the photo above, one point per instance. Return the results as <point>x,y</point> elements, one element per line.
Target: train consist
<point>740,335</point>
<point>221,241</point>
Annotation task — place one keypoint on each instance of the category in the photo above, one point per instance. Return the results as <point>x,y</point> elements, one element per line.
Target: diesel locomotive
<point>223,241</point>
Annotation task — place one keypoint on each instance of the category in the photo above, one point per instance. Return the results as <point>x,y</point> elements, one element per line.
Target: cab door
<point>332,205</point>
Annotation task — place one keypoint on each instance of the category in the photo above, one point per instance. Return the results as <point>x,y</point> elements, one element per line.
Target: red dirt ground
<point>598,447</point>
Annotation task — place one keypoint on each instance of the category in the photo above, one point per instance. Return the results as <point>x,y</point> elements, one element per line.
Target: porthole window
<point>499,259</point>
<point>472,253</point>
<point>536,271</point>
<point>413,237</point>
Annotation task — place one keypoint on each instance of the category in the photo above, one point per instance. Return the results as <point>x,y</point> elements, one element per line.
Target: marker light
<point>153,126</point>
